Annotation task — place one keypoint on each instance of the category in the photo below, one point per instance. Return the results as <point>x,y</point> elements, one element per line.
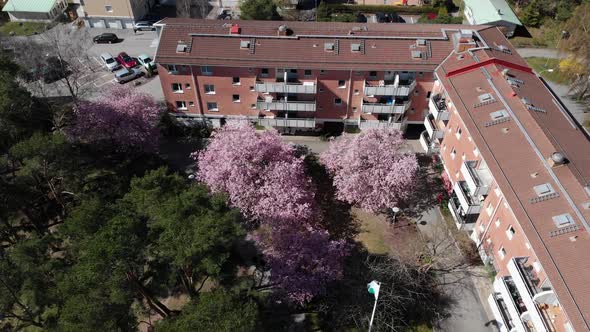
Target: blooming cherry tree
<point>260,173</point>
<point>369,169</point>
<point>302,259</point>
<point>121,116</point>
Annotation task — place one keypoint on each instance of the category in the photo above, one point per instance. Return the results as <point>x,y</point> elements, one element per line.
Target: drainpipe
<point>349,96</point>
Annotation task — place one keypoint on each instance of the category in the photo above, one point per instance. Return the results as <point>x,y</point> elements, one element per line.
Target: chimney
<point>557,159</point>
<point>235,29</point>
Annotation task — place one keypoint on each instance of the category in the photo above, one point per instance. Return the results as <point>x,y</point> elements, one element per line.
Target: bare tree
<point>193,8</point>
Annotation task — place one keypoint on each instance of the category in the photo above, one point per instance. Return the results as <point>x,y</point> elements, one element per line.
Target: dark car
<point>126,61</point>
<point>106,38</point>
<point>360,18</point>
<point>224,15</point>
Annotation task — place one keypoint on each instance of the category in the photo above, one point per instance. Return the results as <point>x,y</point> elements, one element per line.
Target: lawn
<point>22,28</point>
<point>540,65</point>
<point>373,231</point>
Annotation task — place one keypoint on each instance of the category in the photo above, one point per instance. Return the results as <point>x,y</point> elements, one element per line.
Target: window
<point>356,92</point>
<point>235,81</point>
<point>354,109</point>
<point>172,68</point>
<point>463,156</point>
<point>244,44</point>
<point>206,70</point>
<point>510,232</point>
<point>416,92</point>
<point>321,90</point>
<point>293,71</point>
<point>341,84</point>
<point>322,72</point>
<point>458,132</point>
<point>538,267</point>
<point>499,115</point>
<point>453,153</point>
<point>489,209</point>
<point>187,86</point>
<point>235,98</point>
<point>337,101</point>
<point>420,74</point>
<point>191,104</point>
<point>181,105</point>
<point>355,47</point>
<point>307,72</point>
<point>253,106</point>
<point>108,8</point>
<point>210,89</point>
<point>497,223</point>
<point>372,74</point>
<point>563,220</point>
<point>328,47</point>
<point>264,72</point>
<point>177,87</point>
<point>475,152</point>
<point>502,253</point>
<point>482,228</point>
<point>428,94</point>
<point>212,107</point>
<point>543,189</point>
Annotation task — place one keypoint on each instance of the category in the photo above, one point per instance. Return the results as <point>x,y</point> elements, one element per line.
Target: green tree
<point>258,10</point>
<point>577,43</point>
<point>218,310</point>
<point>322,12</point>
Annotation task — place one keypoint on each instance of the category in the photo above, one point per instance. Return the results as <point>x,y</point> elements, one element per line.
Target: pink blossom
<point>369,169</point>
<point>258,171</point>
<point>120,116</point>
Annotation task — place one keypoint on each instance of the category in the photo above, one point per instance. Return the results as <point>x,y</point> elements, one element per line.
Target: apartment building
<point>520,169</point>
<point>300,75</point>
<point>116,14</point>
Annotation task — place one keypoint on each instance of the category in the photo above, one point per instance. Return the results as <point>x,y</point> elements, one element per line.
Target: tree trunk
<point>152,301</point>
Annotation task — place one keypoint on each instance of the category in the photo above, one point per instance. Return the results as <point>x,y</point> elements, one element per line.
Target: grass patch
<point>22,28</point>
<point>540,65</point>
<point>372,232</point>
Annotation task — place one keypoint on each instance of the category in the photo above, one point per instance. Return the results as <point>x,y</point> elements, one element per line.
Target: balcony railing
<point>389,89</point>
<point>438,108</point>
<point>478,180</point>
<point>468,203</point>
<point>288,87</point>
<point>514,305</point>
<point>297,106</point>
<point>464,221</point>
<point>427,144</point>
<point>287,123</point>
<point>366,124</point>
<point>380,108</point>
<point>500,311</point>
<point>431,128</point>
<point>526,286</point>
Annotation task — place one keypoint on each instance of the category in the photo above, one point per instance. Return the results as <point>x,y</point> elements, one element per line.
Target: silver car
<point>125,75</point>
<point>109,62</point>
<point>144,26</point>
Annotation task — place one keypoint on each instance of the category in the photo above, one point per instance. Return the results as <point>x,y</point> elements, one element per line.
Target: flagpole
<point>372,315</point>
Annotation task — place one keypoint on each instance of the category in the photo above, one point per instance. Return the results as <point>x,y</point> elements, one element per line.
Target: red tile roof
<point>384,45</point>
<point>515,149</point>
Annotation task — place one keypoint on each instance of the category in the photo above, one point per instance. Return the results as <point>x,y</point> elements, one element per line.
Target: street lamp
<point>395,211</point>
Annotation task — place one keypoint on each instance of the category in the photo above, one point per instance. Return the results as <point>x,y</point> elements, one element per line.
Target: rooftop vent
<point>421,42</point>
<point>417,54</point>
<point>245,44</point>
<point>557,159</point>
<point>504,49</point>
<point>360,28</point>
<point>235,29</point>
<point>328,46</point>
<point>355,47</point>
<point>283,30</point>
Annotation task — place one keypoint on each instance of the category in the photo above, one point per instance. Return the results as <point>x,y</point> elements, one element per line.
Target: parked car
<point>105,38</point>
<point>125,75</point>
<point>146,62</point>
<point>109,62</point>
<point>224,15</point>
<point>126,61</point>
<point>144,26</point>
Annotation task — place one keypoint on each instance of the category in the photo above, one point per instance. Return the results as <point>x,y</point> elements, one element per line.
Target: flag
<point>373,288</point>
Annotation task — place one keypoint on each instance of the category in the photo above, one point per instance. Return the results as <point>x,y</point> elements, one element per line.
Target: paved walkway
<point>541,53</point>
<point>470,311</point>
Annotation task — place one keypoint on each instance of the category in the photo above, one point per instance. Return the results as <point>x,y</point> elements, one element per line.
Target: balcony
<point>478,180</point>
<point>427,144</point>
<point>366,124</point>
<point>287,123</point>
<point>500,311</point>
<point>384,108</point>
<point>526,284</point>
<point>286,87</point>
<point>514,307</point>
<point>438,108</point>
<point>297,106</point>
<point>431,129</point>
<point>468,204</point>
<point>464,221</point>
<point>388,88</point>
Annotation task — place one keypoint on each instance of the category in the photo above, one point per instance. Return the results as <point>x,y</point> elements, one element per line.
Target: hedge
<point>342,8</point>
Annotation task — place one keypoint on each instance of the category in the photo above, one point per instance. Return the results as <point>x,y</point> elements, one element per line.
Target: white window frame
<point>343,85</point>
<point>179,86</point>
<point>215,109</point>
<point>187,86</point>
<point>108,8</point>
<point>502,252</point>
<point>453,153</point>
<point>211,91</point>
<point>236,100</point>
<point>510,232</point>
<point>206,70</point>
<point>181,108</point>
<point>239,82</point>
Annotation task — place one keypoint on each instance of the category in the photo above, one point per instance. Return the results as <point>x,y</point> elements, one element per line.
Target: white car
<point>127,74</point>
<point>146,62</point>
<point>109,61</point>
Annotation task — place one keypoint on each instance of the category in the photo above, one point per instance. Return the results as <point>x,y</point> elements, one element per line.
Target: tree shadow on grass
<point>428,189</point>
